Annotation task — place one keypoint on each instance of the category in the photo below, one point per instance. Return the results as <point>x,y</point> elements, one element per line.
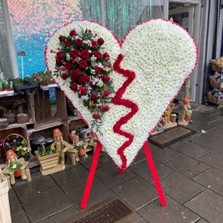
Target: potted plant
<point>2,79</point>
<point>45,80</point>
<point>25,84</point>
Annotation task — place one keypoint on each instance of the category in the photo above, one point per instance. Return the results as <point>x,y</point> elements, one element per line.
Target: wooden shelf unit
<point>44,116</point>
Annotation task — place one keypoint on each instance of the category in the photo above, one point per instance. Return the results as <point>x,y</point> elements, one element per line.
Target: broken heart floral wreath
<point>121,88</point>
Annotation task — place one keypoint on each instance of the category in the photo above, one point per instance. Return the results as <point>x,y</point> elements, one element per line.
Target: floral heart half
<point>149,67</point>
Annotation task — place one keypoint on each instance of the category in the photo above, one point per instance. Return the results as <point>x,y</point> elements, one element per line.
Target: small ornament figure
<point>186,110</point>
<point>61,145</point>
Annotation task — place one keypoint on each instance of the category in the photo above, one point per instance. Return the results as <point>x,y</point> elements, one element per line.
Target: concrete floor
<point>191,173</point>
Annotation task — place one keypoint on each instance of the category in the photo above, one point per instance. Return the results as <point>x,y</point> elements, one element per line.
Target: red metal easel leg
<point>154,173</point>
<point>91,174</point>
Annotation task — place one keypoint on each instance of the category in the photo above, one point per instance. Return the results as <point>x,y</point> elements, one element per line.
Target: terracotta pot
<point>18,173</point>
<point>173,119</point>
<point>81,152</point>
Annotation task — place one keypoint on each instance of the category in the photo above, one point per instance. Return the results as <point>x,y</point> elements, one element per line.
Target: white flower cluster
<point>161,54</point>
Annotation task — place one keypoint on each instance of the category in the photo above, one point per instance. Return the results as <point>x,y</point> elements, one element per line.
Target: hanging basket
<point>18,144</point>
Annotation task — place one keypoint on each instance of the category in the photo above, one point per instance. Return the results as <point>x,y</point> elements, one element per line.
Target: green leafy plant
<point>44,78</point>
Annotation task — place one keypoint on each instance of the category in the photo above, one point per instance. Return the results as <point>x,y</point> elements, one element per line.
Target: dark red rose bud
<point>82,64</point>
<point>73,33</point>
<point>105,78</point>
<point>67,43</point>
<point>96,116</point>
<point>106,56</point>
<point>100,41</point>
<point>63,76</point>
<point>97,55</point>
<point>106,92</point>
<point>73,87</point>
<point>79,42</point>
<point>106,108</point>
<point>61,38</point>
<point>94,97</point>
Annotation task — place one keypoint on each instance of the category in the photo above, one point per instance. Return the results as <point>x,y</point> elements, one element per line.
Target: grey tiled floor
<point>191,173</point>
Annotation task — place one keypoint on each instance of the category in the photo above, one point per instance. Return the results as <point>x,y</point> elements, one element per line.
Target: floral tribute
<point>149,66</point>
<point>80,60</point>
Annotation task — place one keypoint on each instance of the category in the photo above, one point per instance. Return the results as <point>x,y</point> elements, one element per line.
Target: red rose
<point>73,33</point>
<point>79,42</point>
<point>73,87</point>
<point>67,43</point>
<point>63,76</point>
<point>97,55</point>
<point>107,92</point>
<point>94,97</point>
<point>105,78</point>
<point>106,56</point>
<point>59,55</point>
<point>86,79</point>
<point>68,65</point>
<point>85,54</point>
<point>83,90</point>
<point>98,69</point>
<point>96,116</point>
<point>82,64</point>
<point>74,53</point>
<point>100,41</point>
<point>94,44</point>
<point>75,74</point>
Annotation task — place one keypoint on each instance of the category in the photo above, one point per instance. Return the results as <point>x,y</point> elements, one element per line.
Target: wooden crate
<point>49,163</point>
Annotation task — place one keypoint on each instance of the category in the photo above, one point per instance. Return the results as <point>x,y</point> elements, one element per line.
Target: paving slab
<point>99,192</point>
<point>15,204</point>
<point>212,179</point>
<point>72,178</point>
<point>44,204</point>
<point>20,217</point>
<point>172,213</point>
<point>215,144</point>
<point>163,156</point>
<point>192,149</point>
<point>180,188</point>
<point>136,192</point>
<point>111,178</point>
<point>68,214</point>
<point>202,221</point>
<point>213,159</point>
<point>39,184</point>
<point>187,166</point>
<point>142,169</point>
<point>208,205</point>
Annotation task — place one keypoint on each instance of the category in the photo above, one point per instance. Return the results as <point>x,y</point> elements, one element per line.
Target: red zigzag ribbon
<point>118,100</point>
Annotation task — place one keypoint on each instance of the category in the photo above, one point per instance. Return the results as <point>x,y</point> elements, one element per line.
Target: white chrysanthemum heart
<point>160,53</point>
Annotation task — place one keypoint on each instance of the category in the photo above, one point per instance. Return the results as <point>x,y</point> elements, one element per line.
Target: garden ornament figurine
<point>61,145</point>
